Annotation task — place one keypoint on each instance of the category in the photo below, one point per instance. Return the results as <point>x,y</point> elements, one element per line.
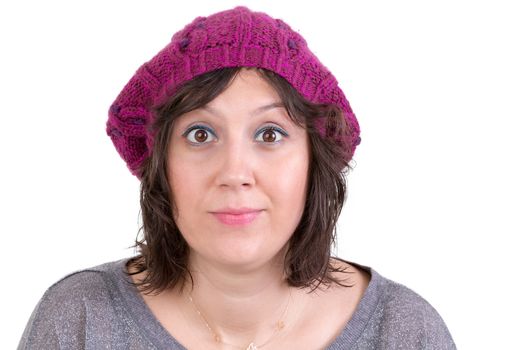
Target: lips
<point>237,217</point>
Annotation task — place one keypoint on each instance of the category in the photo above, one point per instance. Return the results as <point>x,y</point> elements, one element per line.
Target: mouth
<point>237,217</point>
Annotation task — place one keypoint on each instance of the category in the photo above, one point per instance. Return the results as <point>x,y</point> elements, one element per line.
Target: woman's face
<point>238,173</point>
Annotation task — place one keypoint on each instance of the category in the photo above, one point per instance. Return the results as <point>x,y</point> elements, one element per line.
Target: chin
<point>242,259</point>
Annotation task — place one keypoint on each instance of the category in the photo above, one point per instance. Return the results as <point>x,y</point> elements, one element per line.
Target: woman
<point>241,139</point>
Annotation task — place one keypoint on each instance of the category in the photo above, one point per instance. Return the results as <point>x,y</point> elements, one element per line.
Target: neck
<point>240,306</point>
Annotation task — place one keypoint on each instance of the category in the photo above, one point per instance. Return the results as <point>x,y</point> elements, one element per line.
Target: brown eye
<point>269,136</point>
<point>199,135</point>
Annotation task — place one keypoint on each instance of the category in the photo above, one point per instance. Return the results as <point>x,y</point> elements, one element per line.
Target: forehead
<point>247,86</point>
<point>248,94</point>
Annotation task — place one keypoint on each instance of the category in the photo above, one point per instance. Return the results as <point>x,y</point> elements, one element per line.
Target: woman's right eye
<point>199,134</point>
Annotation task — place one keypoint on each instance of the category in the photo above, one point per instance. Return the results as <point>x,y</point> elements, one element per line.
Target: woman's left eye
<point>271,134</point>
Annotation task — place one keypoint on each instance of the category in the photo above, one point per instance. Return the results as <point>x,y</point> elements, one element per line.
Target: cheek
<point>184,189</point>
<point>289,182</point>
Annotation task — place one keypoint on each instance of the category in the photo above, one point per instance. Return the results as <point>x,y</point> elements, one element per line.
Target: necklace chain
<point>217,338</point>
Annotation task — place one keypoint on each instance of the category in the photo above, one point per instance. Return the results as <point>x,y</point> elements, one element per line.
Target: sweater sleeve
<point>437,335</point>
<point>408,321</point>
<point>59,320</point>
<point>39,333</point>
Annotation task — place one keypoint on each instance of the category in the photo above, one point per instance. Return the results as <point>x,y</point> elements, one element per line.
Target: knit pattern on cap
<point>234,38</point>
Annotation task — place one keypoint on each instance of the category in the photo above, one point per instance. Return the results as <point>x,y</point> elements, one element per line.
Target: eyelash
<point>203,127</point>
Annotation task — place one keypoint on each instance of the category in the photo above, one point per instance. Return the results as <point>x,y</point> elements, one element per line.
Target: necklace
<point>279,325</point>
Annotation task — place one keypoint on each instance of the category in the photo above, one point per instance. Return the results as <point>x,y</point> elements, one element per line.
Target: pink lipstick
<point>237,217</point>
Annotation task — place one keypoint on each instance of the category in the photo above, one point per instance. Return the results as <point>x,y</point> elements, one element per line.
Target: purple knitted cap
<point>232,38</point>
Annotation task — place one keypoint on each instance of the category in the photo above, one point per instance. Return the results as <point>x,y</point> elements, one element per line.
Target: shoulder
<point>65,307</point>
<point>390,315</point>
<point>406,317</point>
<point>79,287</point>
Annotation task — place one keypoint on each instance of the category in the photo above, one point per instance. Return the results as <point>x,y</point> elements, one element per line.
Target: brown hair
<point>163,252</point>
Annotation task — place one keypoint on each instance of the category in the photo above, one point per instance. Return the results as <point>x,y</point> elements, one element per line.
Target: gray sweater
<point>98,308</point>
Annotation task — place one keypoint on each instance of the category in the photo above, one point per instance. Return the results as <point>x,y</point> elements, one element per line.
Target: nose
<point>235,167</point>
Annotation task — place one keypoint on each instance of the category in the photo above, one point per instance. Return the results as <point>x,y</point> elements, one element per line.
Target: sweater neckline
<point>144,321</point>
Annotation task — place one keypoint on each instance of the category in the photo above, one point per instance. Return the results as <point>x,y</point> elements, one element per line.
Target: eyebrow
<point>255,112</point>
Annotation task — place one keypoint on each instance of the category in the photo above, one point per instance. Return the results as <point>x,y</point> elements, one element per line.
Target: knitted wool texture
<point>234,38</point>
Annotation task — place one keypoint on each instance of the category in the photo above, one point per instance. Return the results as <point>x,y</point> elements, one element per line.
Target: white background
<point>436,201</point>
